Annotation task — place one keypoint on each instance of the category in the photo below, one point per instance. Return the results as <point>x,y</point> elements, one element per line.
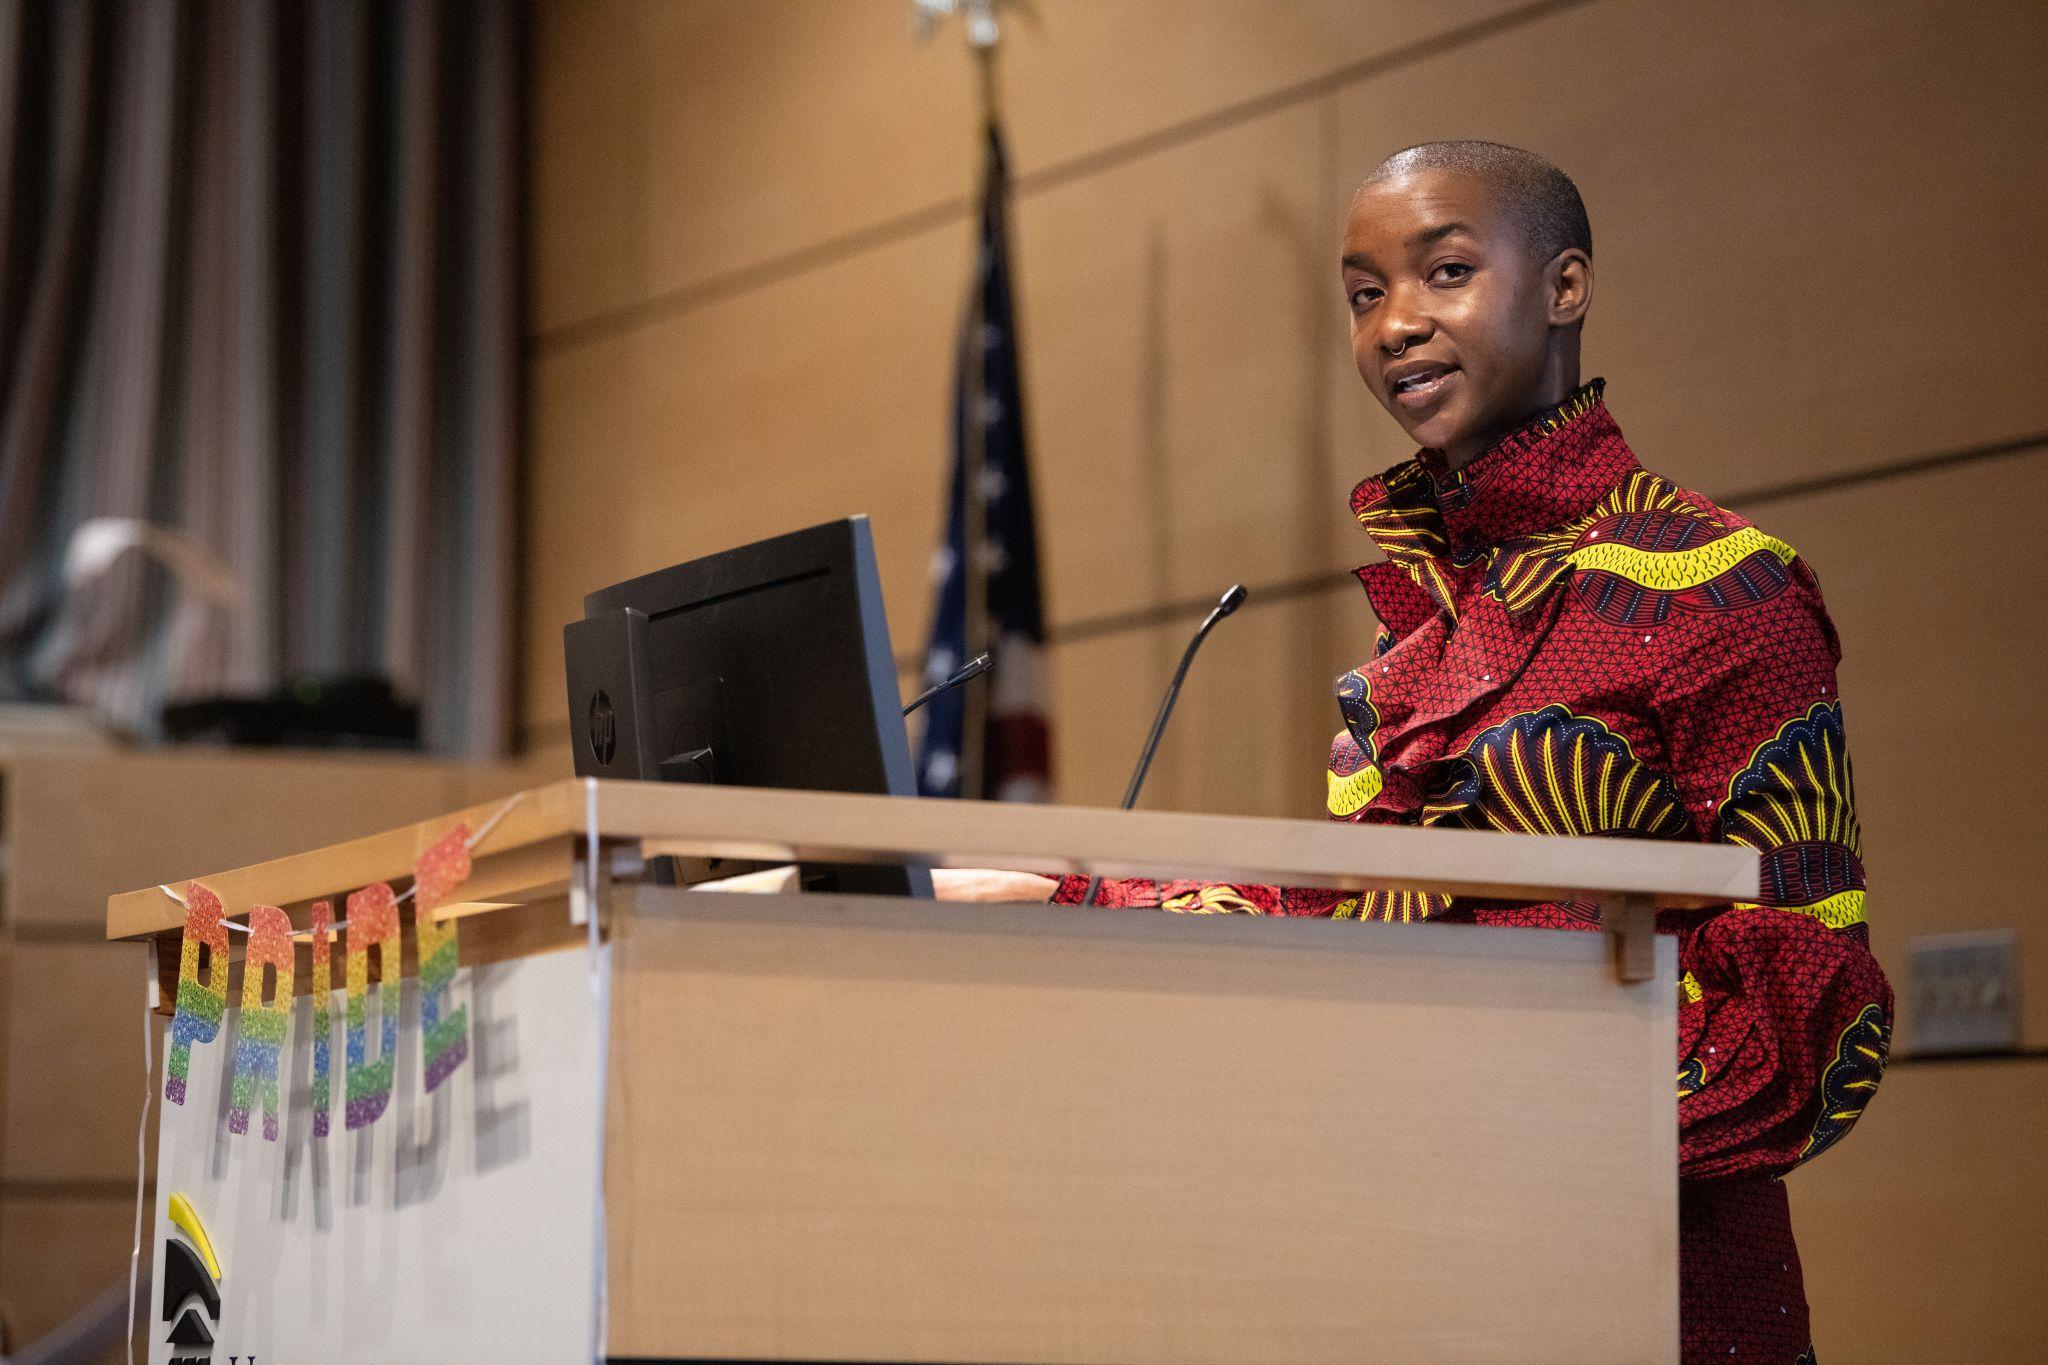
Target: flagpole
<point>974,515</point>
<point>985,64</point>
<point>983,37</point>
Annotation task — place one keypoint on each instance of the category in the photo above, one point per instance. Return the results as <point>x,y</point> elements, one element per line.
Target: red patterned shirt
<point>1573,645</point>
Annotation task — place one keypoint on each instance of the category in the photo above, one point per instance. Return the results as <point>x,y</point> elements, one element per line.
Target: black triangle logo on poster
<point>191,1304</point>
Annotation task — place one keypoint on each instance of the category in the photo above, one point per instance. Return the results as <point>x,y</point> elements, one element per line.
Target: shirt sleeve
<point>1784,1016</point>
<point>1208,898</point>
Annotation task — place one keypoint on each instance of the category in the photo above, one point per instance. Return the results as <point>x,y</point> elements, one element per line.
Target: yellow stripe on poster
<point>186,1219</point>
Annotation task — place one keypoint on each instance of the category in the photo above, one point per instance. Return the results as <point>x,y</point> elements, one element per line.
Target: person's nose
<point>1403,322</point>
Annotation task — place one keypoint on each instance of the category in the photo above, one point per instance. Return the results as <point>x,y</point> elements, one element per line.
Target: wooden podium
<point>864,1129</point>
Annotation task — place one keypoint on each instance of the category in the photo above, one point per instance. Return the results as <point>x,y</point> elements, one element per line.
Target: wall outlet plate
<point>1965,991</point>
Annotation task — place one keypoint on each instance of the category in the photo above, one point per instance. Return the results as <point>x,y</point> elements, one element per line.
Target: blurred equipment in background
<point>988,742</point>
<point>258,289</point>
<point>305,713</point>
<point>200,594</point>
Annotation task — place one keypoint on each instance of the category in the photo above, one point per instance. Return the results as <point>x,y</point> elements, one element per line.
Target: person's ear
<point>1571,286</point>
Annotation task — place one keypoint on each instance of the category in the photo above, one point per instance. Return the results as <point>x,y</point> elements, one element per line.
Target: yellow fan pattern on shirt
<point>1798,792</point>
<point>1553,772</point>
<point>1405,524</point>
<point>1849,1079</point>
<point>1527,570</point>
<point>1403,906</point>
<point>1211,900</point>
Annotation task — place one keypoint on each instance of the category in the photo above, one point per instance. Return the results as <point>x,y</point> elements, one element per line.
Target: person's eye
<point>1451,272</point>
<point>1364,296</point>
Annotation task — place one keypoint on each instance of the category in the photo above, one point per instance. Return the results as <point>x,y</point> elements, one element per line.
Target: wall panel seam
<point>817,256</point>
<point>119,1189</point>
<point>1330,580</point>
<point>1132,619</point>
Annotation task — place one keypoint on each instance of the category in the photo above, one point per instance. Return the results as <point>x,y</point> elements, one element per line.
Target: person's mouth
<point>1418,385</point>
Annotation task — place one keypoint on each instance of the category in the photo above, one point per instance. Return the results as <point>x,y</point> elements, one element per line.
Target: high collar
<point>1550,471</point>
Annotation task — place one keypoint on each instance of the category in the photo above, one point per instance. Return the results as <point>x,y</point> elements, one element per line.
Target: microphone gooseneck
<point>973,668</point>
<point>1231,601</point>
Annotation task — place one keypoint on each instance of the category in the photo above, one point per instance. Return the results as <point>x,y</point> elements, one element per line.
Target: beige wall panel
<point>1103,696</point>
<point>549,760</point>
<point>1941,684</point>
<point>1176,455</point>
<point>680,141</point>
<point>589,107</point>
<point>57,1254</point>
<point>1171,329</point>
<point>73,1083</point>
<point>802,401</point>
<point>1253,727</point>
<point>1924,1236</point>
<point>82,825</point>
<point>1775,191</point>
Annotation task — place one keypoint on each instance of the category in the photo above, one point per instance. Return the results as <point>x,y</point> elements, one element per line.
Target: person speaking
<point>1573,645</point>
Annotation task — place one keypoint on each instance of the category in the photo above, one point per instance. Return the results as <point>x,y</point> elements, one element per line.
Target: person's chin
<point>1439,430</point>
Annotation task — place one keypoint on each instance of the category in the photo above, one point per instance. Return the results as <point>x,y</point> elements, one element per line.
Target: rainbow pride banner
<point>372,925</point>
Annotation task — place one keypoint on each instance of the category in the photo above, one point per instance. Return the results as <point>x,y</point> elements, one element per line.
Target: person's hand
<point>769,881</point>
<point>987,884</point>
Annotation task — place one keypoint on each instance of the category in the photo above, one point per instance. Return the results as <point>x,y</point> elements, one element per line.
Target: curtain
<point>259,287</point>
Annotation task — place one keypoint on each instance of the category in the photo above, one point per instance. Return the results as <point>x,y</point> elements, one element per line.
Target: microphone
<point>973,668</point>
<point>1232,600</point>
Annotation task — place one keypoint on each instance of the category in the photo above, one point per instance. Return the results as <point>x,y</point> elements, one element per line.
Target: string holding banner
<point>470,842</point>
<point>372,922</point>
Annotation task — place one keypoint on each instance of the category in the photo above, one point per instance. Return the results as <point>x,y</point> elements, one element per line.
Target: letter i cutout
<point>260,1040</point>
<point>444,1040</point>
<point>323,1014</point>
<point>372,920</point>
<point>200,1004</point>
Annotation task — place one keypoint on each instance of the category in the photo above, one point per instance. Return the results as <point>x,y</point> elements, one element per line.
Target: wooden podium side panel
<point>890,1131</point>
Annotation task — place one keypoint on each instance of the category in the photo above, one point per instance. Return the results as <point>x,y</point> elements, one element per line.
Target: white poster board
<point>458,1226</point>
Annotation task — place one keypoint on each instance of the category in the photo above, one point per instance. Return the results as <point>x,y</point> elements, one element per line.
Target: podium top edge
<point>762,823</point>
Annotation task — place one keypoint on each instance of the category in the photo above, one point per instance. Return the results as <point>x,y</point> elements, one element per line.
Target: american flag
<point>988,739</point>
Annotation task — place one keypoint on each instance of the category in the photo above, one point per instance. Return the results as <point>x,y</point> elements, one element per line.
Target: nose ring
<point>1402,347</point>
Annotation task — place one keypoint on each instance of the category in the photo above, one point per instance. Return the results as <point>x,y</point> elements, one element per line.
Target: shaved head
<point>1468,267</point>
<point>1538,198</point>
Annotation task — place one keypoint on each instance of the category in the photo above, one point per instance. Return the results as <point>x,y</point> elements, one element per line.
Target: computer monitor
<point>764,666</point>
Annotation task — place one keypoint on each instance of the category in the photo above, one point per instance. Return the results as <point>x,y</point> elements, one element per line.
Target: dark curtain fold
<point>259,287</point>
